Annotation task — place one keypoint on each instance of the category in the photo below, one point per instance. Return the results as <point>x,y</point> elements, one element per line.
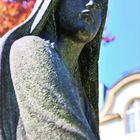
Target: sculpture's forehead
<point>86,1</point>
<point>90,2</point>
<point>76,2</point>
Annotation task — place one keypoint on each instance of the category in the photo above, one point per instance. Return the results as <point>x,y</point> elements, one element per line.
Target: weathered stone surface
<point>49,103</point>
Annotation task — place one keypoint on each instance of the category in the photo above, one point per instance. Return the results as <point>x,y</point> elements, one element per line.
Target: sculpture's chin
<point>83,31</point>
<point>84,36</point>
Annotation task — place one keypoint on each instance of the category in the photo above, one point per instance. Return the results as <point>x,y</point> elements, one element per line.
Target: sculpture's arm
<point>48,102</point>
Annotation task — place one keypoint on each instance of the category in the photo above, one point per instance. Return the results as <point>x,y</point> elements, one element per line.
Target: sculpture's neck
<point>69,50</point>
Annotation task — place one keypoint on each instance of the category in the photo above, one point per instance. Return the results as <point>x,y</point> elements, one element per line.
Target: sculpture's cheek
<point>86,29</point>
<point>90,26</point>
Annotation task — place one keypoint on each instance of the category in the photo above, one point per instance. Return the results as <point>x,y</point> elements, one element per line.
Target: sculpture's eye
<point>90,1</point>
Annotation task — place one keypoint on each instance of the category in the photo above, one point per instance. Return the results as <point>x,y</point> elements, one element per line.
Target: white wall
<point>115,129</point>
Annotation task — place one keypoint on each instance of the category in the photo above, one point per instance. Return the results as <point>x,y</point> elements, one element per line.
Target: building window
<point>133,117</point>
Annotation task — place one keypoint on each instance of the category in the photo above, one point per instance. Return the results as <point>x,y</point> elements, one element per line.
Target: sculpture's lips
<point>85,12</point>
<point>88,8</point>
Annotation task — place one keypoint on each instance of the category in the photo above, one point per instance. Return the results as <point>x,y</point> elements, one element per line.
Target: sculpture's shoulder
<point>47,99</point>
<point>31,44</point>
<point>33,58</point>
<point>31,50</point>
<point>29,40</point>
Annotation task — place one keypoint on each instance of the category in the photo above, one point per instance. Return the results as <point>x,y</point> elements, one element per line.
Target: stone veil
<point>49,72</point>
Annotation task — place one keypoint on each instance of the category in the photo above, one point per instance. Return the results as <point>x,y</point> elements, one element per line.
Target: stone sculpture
<point>49,84</point>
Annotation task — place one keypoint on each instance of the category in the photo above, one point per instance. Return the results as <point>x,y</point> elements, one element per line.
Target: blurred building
<point>102,95</point>
<point>120,115</point>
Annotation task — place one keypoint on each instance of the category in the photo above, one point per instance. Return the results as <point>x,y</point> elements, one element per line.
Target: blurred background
<point>13,12</point>
<point>119,66</point>
<point>119,73</point>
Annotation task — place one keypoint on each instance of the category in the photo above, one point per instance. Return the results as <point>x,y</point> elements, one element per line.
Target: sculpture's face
<point>78,20</point>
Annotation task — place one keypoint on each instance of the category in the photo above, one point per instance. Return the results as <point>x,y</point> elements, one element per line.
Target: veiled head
<point>46,14</point>
<point>78,19</point>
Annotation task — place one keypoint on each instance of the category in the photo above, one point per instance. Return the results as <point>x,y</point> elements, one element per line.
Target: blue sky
<point>122,56</point>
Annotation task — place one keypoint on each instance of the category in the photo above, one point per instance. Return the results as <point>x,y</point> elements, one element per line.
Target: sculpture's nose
<point>94,5</point>
<point>90,4</point>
